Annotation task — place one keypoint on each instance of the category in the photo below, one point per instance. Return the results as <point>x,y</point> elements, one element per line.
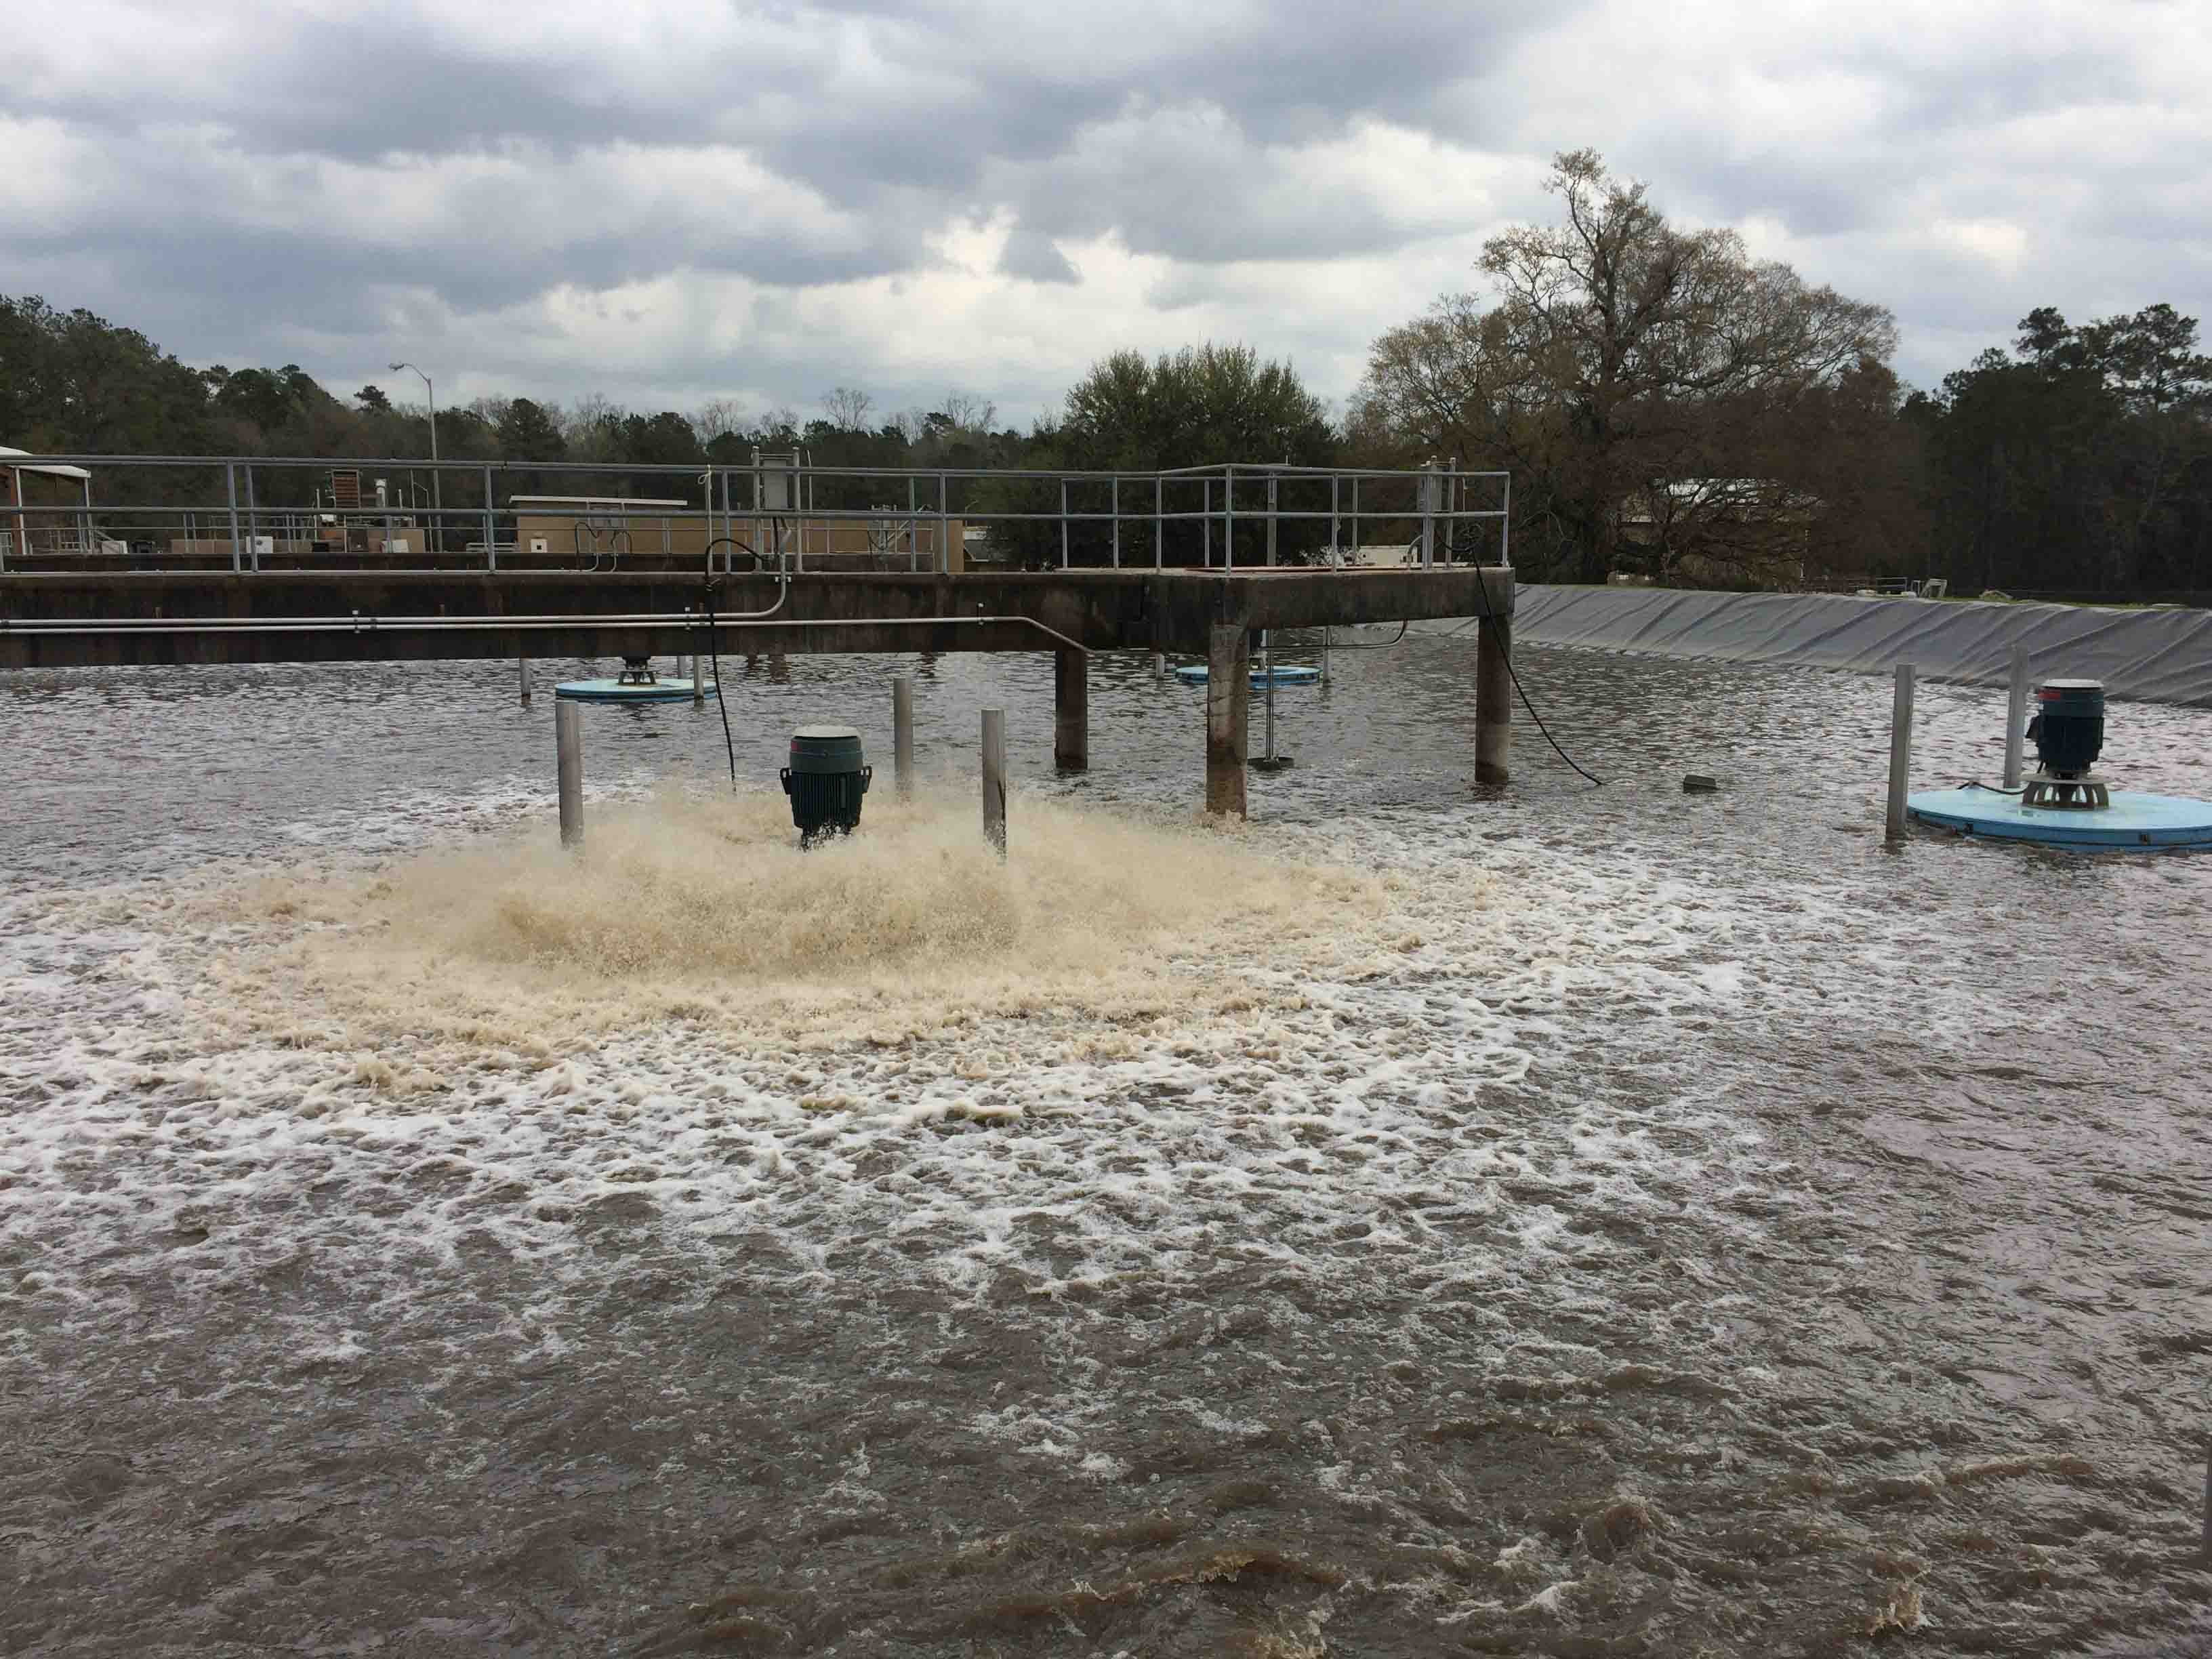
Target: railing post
<point>1063,523</point>
<point>1428,515</point>
<point>1900,750</point>
<point>2016,720</point>
<point>944,532</point>
<point>253,523</point>
<point>230,482</point>
<point>1113,516</point>
<point>1205,518</point>
<point>1273,480</point>
<point>1229,525</point>
<point>1159,523</point>
<point>995,778</point>
<point>491,545</point>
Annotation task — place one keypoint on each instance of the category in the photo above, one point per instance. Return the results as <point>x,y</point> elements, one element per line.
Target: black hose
<point>1490,616</point>
<point>710,588</point>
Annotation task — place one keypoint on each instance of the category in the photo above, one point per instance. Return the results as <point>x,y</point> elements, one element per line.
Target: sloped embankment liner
<point>2156,655</point>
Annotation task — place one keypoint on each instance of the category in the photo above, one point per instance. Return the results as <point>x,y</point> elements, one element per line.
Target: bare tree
<point>847,408</point>
<point>718,417</point>
<point>1622,354</point>
<point>967,413</point>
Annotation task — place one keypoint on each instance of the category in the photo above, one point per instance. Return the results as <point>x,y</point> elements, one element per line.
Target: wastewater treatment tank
<point>825,781</point>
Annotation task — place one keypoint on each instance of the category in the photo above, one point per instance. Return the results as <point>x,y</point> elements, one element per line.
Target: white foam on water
<point>1134,1051</point>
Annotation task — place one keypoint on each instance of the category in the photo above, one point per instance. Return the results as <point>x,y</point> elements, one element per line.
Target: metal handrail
<point>1440,496</point>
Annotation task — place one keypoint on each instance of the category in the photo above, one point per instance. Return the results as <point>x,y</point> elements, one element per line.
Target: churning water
<point>1429,1220</point>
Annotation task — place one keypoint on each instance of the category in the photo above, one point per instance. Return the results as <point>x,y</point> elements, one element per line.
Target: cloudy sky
<point>668,201</point>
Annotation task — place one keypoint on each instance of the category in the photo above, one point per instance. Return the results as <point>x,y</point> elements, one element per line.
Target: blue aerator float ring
<point>1287,674</point>
<point>2132,822</point>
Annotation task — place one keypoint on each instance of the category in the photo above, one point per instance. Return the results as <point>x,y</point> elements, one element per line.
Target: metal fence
<point>255,512</point>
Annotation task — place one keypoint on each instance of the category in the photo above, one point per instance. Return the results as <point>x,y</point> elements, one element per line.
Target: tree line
<point>1669,407</point>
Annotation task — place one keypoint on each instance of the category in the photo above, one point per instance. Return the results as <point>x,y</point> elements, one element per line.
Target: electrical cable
<point>1490,616</point>
<point>711,586</point>
<point>1369,645</point>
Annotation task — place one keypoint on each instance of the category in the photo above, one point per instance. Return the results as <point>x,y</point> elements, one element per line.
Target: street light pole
<point>437,495</point>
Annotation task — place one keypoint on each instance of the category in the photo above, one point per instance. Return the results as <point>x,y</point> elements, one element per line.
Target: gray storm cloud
<point>690,200</point>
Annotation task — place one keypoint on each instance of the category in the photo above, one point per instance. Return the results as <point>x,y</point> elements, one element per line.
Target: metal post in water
<point>569,739</point>
<point>2016,720</point>
<point>522,673</point>
<point>698,680</point>
<point>1267,664</point>
<point>995,778</point>
<point>1900,750</point>
<point>903,733</point>
<point>1227,716</point>
<point>1159,664</point>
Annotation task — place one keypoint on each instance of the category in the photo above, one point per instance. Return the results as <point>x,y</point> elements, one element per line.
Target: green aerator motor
<point>825,782</point>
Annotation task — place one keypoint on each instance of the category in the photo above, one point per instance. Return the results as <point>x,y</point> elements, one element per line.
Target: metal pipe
<point>2016,720</point>
<point>568,744</point>
<point>522,672</point>
<point>1900,750</point>
<point>995,778</point>
<point>903,733</point>
<point>131,627</point>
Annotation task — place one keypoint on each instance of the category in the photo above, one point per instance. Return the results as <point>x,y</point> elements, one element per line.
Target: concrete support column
<point>1071,710</point>
<point>1227,716</point>
<point>1493,699</point>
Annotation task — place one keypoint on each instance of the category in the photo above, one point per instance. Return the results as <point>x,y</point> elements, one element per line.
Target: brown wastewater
<point>1553,1220</point>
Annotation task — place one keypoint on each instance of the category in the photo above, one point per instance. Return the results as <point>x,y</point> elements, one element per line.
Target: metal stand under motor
<point>637,670</point>
<point>2086,793</point>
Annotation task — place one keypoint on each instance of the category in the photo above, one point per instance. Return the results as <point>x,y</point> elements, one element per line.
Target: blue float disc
<point>2132,822</point>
